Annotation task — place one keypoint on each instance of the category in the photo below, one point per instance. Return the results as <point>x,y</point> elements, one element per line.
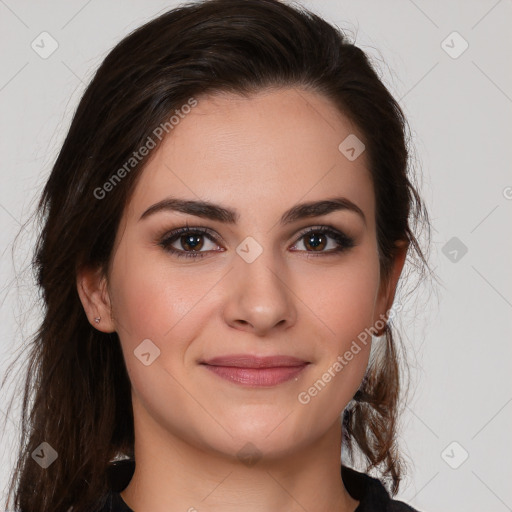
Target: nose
<point>258,297</point>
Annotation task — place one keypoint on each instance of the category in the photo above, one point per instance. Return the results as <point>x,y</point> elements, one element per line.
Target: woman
<point>223,234</point>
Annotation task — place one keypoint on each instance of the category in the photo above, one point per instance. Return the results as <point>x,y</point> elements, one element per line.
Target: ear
<point>388,286</point>
<point>93,291</point>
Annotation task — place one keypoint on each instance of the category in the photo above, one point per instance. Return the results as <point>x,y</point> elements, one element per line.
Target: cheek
<point>152,299</point>
<point>344,302</point>
<point>344,298</point>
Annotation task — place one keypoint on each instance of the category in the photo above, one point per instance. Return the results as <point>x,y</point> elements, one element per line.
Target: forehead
<point>274,148</point>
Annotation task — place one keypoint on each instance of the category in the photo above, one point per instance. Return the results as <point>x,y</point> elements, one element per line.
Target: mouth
<point>255,371</point>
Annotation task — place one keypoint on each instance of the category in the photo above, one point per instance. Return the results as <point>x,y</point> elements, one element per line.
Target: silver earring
<point>97,319</point>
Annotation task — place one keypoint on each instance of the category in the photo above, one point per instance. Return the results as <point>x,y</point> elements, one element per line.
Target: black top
<point>369,491</point>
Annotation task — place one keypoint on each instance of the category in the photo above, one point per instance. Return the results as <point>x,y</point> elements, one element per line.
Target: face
<point>254,276</point>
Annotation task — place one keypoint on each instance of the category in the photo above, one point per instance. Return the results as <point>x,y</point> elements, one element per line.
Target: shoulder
<point>119,474</point>
<point>114,503</point>
<point>371,493</point>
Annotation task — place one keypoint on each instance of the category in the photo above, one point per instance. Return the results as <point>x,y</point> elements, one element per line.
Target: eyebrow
<point>212,211</point>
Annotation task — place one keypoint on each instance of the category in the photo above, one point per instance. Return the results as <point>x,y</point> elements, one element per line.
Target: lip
<point>248,361</point>
<point>255,371</point>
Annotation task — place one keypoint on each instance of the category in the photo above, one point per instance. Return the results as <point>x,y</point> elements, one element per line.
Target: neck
<point>173,475</point>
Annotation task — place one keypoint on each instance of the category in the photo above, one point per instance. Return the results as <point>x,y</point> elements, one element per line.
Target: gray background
<point>459,108</point>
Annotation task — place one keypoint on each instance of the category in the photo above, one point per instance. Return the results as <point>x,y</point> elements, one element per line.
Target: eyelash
<point>345,242</point>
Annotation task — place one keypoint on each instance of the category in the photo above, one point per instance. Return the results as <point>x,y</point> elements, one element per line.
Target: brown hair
<point>77,392</point>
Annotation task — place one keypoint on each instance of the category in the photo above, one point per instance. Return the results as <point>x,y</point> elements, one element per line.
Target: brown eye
<point>188,242</point>
<point>317,240</point>
<point>191,242</point>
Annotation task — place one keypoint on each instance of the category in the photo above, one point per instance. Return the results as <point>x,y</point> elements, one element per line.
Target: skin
<point>259,155</point>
